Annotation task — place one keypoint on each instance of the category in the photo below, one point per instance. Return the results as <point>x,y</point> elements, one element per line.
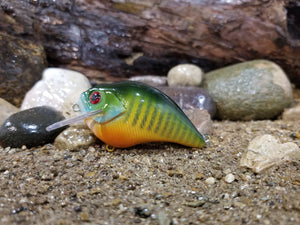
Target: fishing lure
<point>128,113</point>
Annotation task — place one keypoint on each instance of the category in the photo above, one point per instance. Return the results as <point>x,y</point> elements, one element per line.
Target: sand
<point>157,183</point>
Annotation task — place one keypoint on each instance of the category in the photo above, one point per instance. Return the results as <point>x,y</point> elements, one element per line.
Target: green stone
<point>253,90</point>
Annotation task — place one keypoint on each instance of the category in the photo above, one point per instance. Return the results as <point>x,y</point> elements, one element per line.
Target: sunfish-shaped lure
<point>128,113</point>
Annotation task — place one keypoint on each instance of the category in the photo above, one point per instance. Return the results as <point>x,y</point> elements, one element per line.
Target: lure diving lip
<point>66,122</point>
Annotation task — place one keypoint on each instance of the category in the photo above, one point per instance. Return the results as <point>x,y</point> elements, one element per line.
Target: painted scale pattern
<point>150,116</point>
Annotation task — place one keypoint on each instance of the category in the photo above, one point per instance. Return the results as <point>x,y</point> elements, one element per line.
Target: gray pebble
<point>75,137</point>
<point>163,219</point>
<point>251,90</point>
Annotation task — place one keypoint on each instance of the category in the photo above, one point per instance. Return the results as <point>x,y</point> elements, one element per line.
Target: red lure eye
<point>95,97</point>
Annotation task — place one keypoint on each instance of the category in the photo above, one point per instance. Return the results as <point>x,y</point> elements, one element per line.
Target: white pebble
<point>265,151</point>
<point>59,88</point>
<point>229,178</point>
<point>185,75</point>
<point>150,80</point>
<point>210,180</point>
<point>227,171</point>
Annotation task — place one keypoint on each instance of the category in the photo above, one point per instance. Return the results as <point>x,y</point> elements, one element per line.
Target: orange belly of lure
<point>146,115</point>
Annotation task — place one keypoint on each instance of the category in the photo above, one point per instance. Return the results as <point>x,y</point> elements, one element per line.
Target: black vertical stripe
<point>196,139</point>
<point>180,132</point>
<point>153,118</point>
<point>137,113</point>
<point>174,130</point>
<point>167,126</point>
<point>186,135</point>
<point>146,115</point>
<point>129,108</point>
<point>177,129</point>
<point>161,118</point>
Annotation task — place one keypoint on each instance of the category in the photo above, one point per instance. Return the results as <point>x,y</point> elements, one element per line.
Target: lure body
<point>135,113</point>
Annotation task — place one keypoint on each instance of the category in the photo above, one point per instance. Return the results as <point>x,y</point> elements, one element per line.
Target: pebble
<point>292,114</point>
<point>28,127</point>
<point>253,90</point>
<point>59,88</point>
<point>201,120</point>
<point>229,178</point>
<point>6,109</point>
<point>151,80</point>
<point>74,138</point>
<point>163,218</point>
<point>142,211</point>
<point>210,180</point>
<point>195,204</point>
<point>266,151</point>
<point>188,98</point>
<point>21,65</point>
<point>185,75</point>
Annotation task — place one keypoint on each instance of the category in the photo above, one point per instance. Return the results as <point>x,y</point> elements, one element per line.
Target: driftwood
<point>128,37</point>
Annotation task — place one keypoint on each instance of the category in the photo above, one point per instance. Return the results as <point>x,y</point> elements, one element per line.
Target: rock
<point>151,80</point>
<point>142,211</point>
<point>59,88</point>
<point>210,180</point>
<point>251,90</point>
<point>201,120</point>
<point>197,203</point>
<point>292,114</point>
<point>6,109</point>
<point>21,65</point>
<point>185,75</point>
<point>229,178</point>
<point>28,127</point>
<point>265,151</point>
<point>191,98</point>
<point>75,137</point>
<point>163,218</point>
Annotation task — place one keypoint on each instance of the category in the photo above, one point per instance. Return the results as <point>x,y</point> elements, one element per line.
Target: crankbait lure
<point>128,113</point>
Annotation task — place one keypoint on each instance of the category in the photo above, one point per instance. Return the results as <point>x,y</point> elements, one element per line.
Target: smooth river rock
<point>185,75</point>
<point>28,127</point>
<point>253,90</point>
<point>59,88</point>
<point>151,80</point>
<point>75,137</point>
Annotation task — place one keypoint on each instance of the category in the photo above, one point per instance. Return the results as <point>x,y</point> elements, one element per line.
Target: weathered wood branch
<point>126,37</point>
